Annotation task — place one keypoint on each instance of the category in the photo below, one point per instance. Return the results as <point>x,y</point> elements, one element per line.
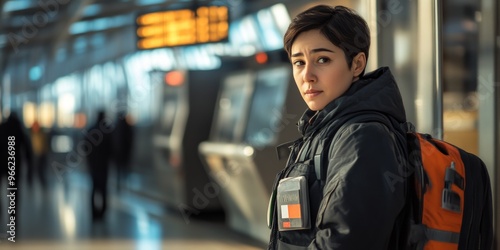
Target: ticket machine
<point>255,111</point>
<point>184,102</point>
<point>171,92</point>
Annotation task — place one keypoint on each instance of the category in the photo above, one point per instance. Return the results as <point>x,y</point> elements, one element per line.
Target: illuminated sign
<point>170,28</point>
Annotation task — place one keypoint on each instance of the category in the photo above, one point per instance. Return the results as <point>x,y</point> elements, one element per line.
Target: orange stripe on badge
<point>286,224</point>
<point>294,211</point>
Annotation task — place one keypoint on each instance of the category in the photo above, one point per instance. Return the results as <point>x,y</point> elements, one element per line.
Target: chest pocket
<point>300,163</point>
<point>302,238</point>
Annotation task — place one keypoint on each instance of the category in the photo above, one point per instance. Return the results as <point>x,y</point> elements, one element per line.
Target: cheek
<point>340,83</point>
<point>297,79</point>
<point>343,77</point>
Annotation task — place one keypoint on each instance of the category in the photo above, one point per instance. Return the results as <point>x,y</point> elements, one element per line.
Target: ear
<point>358,64</point>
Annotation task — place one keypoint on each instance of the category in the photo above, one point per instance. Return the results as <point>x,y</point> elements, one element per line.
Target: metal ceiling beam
<point>74,13</point>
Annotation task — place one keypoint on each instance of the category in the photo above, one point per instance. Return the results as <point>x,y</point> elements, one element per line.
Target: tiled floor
<point>59,218</point>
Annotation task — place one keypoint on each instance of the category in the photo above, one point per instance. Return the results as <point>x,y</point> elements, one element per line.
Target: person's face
<point>320,69</point>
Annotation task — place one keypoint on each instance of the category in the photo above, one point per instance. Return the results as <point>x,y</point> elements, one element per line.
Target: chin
<point>315,104</point>
<point>315,107</point>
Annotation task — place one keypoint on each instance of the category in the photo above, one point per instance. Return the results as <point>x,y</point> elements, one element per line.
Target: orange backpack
<point>452,206</point>
<point>449,199</point>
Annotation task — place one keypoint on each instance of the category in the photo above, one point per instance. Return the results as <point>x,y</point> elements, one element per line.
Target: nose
<point>309,75</point>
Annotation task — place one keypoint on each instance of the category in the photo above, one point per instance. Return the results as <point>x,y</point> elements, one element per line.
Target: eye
<point>298,63</point>
<point>323,60</point>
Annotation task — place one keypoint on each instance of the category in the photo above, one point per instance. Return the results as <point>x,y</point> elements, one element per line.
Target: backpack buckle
<point>408,127</point>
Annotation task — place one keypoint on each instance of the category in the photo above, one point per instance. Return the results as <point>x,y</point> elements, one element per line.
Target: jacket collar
<point>377,91</point>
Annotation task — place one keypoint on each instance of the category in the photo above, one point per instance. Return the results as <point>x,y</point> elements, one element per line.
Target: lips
<point>312,93</point>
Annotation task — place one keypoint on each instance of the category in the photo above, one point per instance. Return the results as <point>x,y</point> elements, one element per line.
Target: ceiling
<point>28,23</point>
<point>60,35</point>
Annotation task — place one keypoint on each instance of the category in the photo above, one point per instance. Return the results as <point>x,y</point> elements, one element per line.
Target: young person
<point>353,193</point>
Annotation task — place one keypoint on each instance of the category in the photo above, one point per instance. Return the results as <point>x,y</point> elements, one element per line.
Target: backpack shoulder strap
<point>320,173</point>
<point>478,220</point>
<point>328,139</point>
<point>324,146</point>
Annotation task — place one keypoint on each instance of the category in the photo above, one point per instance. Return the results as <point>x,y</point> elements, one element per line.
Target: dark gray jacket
<point>361,201</point>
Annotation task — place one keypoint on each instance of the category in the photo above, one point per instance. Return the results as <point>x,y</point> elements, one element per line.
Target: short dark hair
<point>341,25</point>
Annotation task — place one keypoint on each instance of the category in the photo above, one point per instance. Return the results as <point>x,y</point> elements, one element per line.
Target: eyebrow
<point>313,51</point>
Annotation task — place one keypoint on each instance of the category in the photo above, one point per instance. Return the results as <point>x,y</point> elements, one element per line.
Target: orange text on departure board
<point>182,27</point>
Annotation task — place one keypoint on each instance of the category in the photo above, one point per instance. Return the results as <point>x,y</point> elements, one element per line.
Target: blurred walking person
<point>39,141</point>
<point>99,137</point>
<point>12,130</point>
<point>123,138</point>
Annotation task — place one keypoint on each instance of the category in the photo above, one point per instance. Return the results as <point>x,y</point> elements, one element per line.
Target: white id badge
<point>293,204</point>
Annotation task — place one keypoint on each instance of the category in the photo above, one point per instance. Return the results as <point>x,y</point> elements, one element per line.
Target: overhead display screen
<point>206,24</point>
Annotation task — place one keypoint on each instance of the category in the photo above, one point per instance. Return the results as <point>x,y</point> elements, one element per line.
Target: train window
<point>232,107</point>
<point>267,106</point>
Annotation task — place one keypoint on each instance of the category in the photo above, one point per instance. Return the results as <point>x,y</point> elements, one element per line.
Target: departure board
<point>205,24</point>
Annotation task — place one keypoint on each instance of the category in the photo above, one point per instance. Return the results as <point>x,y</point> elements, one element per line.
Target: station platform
<point>59,217</point>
